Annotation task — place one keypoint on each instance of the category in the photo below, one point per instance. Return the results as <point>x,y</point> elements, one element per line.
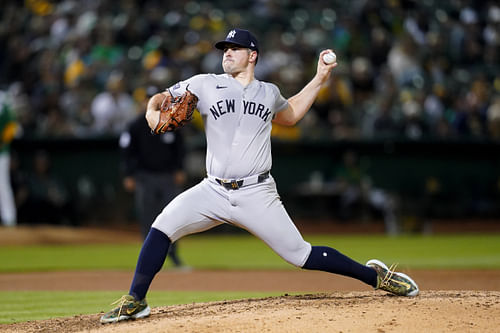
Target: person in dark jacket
<point>153,167</point>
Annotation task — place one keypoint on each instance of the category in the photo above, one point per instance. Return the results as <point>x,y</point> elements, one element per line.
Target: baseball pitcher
<point>238,111</point>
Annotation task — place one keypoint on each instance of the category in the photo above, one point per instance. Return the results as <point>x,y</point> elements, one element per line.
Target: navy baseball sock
<point>326,259</point>
<point>151,259</point>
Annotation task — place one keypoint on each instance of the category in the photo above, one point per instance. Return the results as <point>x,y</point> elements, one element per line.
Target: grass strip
<point>20,306</point>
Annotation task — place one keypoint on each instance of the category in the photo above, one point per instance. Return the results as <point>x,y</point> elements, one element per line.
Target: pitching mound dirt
<point>432,311</point>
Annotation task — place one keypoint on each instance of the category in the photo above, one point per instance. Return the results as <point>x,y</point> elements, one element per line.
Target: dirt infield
<point>432,311</point>
<point>281,281</point>
<point>450,301</point>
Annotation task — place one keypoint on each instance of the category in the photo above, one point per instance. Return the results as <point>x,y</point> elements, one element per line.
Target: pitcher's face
<point>236,59</point>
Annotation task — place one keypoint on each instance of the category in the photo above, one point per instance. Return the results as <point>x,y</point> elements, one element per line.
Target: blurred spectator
<point>403,61</point>
<point>19,182</point>
<point>493,114</point>
<point>114,108</point>
<point>385,125</point>
<point>413,125</point>
<point>75,104</point>
<point>153,170</point>
<point>8,127</point>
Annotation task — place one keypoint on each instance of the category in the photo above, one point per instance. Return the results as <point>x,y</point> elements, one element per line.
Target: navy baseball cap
<point>240,37</point>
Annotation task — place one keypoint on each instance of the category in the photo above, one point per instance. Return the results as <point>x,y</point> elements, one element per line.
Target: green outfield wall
<point>454,179</point>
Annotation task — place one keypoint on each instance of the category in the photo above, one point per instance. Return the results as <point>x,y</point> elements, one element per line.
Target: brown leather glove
<point>176,112</point>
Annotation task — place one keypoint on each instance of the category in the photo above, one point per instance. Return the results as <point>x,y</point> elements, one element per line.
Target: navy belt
<point>234,184</point>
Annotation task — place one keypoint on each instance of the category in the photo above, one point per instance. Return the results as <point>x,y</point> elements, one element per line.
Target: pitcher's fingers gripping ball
<point>176,112</point>
<point>330,58</point>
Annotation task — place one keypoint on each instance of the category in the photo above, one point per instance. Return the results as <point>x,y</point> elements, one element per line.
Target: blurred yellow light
<point>139,94</point>
<point>197,23</point>
<point>73,72</point>
<point>496,84</point>
<point>40,7</point>
<point>151,59</point>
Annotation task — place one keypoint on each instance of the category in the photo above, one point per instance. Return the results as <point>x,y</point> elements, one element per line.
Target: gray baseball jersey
<point>237,122</point>
<point>238,130</point>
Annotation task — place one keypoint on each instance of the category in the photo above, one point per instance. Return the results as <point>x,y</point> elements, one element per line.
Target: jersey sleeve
<point>194,84</point>
<point>280,103</point>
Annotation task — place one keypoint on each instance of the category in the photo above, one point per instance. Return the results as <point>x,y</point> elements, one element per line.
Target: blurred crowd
<point>413,69</point>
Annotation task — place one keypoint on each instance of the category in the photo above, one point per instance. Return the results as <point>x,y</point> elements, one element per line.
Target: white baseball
<point>329,58</point>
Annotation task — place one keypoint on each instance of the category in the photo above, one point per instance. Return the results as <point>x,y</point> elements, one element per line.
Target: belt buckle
<point>230,184</point>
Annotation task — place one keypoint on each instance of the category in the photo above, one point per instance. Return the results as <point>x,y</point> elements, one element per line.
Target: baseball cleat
<point>394,282</point>
<point>128,308</point>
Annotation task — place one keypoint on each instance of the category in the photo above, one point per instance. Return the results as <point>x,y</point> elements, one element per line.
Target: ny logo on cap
<point>231,34</point>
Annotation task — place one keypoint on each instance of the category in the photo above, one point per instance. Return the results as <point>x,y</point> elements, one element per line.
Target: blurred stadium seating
<point>425,72</point>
